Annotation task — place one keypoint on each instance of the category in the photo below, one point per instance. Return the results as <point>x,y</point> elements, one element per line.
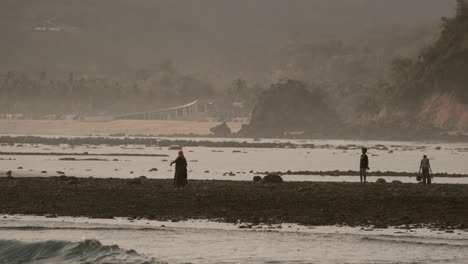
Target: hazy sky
<point>95,31</point>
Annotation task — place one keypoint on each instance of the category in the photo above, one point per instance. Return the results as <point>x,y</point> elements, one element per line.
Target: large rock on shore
<point>272,178</point>
<point>381,180</point>
<point>257,178</point>
<point>292,107</point>
<point>221,130</point>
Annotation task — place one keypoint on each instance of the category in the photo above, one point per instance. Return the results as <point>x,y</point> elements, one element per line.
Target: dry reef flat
<point>353,204</point>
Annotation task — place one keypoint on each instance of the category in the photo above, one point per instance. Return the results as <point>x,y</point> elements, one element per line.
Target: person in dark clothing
<point>180,175</point>
<point>364,165</point>
<point>425,167</point>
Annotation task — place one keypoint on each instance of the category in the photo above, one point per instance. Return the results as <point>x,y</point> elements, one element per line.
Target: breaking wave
<point>57,251</point>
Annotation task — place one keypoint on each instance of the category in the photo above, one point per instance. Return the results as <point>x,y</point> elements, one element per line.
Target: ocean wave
<point>58,251</point>
<point>448,242</point>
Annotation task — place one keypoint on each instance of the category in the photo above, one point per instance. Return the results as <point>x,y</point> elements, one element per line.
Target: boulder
<point>380,180</point>
<point>221,130</point>
<point>257,178</point>
<point>272,178</point>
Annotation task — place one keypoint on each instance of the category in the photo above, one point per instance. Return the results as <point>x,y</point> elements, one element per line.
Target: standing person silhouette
<point>180,175</point>
<point>363,166</point>
<point>425,167</point>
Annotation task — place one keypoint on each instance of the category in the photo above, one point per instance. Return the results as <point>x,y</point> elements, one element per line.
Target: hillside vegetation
<point>441,67</point>
<point>433,87</point>
<point>426,97</point>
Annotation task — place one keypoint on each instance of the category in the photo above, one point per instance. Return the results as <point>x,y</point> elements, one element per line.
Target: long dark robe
<point>180,176</point>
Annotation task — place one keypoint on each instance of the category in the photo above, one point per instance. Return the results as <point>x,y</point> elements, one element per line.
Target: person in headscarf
<point>180,175</point>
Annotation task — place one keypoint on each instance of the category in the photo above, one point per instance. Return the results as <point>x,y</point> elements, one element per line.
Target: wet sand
<point>309,203</point>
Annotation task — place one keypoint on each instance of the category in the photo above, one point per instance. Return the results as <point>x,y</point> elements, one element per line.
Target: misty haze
<point>233,131</point>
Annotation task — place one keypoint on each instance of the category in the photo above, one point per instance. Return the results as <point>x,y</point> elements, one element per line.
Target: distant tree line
<point>37,94</point>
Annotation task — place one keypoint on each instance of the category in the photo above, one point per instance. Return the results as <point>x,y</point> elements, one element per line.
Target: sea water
<point>240,163</point>
<point>34,239</point>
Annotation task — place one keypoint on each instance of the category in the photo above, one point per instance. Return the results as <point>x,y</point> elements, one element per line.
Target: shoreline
<point>202,131</point>
<point>215,142</point>
<point>307,203</point>
<point>129,127</point>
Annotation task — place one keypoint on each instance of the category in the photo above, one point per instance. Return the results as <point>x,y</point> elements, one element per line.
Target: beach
<point>129,127</point>
<point>308,203</point>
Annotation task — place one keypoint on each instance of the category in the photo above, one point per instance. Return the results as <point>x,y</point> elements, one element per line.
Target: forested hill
<point>430,90</point>
<point>121,33</point>
<point>446,62</point>
<point>442,67</point>
<point>427,98</point>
